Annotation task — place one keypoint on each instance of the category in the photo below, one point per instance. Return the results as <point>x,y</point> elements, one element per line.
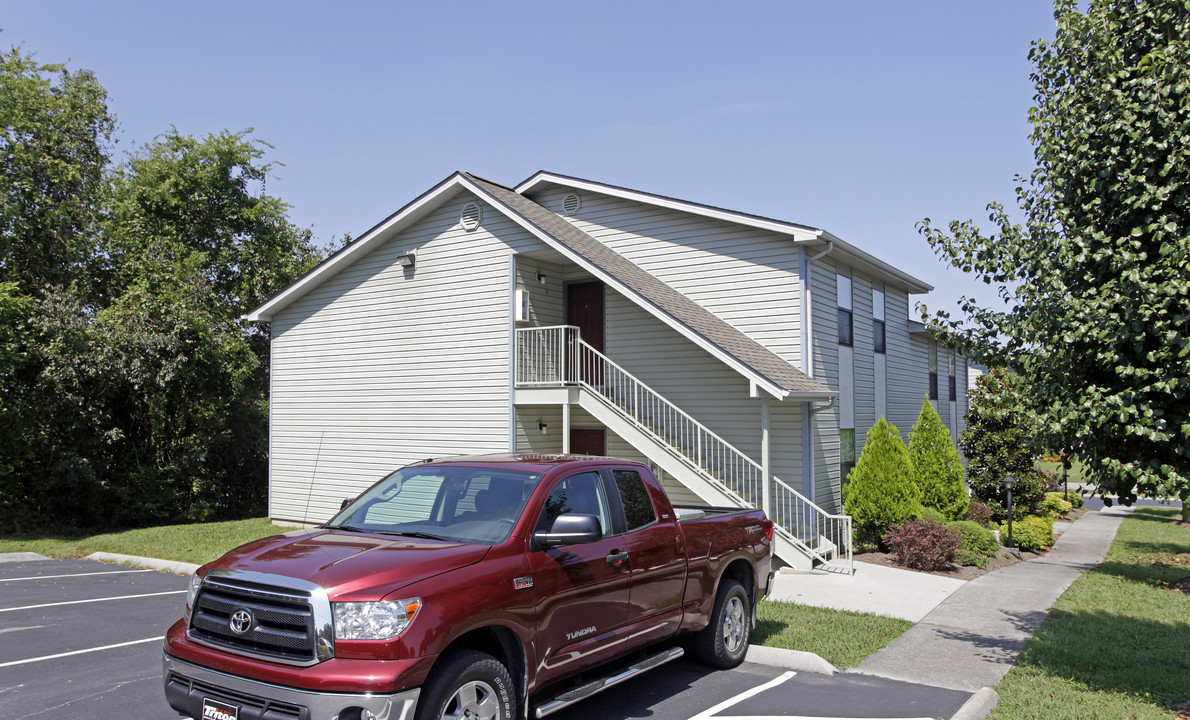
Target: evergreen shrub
<point>880,491</point>
<point>923,544</point>
<point>933,513</point>
<point>1055,505</point>
<point>1033,533</point>
<point>977,543</point>
<point>936,465</point>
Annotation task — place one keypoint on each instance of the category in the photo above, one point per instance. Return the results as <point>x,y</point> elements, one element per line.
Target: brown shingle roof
<point>761,360</point>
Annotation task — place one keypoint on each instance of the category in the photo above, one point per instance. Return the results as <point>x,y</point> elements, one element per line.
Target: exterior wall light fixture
<point>408,260</point>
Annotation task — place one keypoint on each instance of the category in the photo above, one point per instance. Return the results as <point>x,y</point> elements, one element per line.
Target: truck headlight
<point>192,590</point>
<point>374,620</point>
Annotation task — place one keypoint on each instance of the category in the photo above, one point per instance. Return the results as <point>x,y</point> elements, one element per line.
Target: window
<point>878,321</point>
<point>638,507</point>
<point>846,453</point>
<point>843,283</point>
<point>583,494</point>
<point>952,389</point>
<point>933,371</point>
<point>845,327</point>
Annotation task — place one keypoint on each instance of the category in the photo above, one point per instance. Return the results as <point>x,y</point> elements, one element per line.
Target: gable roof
<point>695,322</point>
<point>758,364</point>
<point>800,234</point>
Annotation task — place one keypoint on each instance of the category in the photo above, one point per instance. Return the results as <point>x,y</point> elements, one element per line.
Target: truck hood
<point>351,566</point>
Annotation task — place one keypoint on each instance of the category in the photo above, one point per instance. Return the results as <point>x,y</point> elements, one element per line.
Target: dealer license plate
<point>219,710</point>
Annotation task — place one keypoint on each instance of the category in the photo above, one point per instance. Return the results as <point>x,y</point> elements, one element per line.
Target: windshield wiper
<point>410,533</point>
<point>348,528</point>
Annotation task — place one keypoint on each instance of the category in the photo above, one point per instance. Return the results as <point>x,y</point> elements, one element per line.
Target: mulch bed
<point>959,572</point>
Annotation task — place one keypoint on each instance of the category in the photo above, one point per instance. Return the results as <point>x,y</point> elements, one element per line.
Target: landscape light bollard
<point>1008,481</point>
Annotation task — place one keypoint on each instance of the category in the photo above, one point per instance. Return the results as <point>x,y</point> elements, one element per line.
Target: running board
<point>583,692</point>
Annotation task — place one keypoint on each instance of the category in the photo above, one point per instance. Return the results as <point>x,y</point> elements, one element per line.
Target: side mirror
<point>570,529</point>
<point>343,505</point>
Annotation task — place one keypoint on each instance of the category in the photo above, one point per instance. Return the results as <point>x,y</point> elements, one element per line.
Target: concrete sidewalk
<point>971,638</point>
<point>877,589</point>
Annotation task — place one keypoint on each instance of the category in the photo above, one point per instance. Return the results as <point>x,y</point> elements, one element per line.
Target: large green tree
<point>1097,276</point>
<point>133,392</point>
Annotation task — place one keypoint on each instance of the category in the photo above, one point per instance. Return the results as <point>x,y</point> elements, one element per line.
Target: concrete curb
<point>21,557</point>
<point>978,706</point>
<point>178,568</point>
<point>789,659</point>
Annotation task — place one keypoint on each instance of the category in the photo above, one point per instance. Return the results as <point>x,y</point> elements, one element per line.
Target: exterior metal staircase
<point>556,357</point>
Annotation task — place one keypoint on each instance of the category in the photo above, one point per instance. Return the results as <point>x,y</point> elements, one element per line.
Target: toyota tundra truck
<point>492,587</point>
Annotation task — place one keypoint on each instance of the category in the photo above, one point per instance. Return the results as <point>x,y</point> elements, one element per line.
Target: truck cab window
<point>638,506</point>
<point>583,494</point>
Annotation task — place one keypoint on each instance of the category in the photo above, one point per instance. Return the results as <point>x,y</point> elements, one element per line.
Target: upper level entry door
<point>584,308</point>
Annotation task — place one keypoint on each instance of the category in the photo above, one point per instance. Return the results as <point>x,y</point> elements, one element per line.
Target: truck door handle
<point>617,559</point>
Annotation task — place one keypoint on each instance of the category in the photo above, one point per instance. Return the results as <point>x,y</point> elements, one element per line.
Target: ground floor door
<point>588,441</point>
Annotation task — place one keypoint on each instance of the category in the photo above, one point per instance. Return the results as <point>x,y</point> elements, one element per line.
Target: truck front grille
<point>272,622</point>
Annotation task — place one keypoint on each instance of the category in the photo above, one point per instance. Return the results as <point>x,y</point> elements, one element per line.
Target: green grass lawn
<point>197,543</point>
<point>1117,643</point>
<point>1074,475</point>
<point>842,638</point>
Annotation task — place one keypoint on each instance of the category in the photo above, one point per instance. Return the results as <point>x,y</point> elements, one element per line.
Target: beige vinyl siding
<point>702,386</point>
<point>381,365</point>
<point>825,342</point>
<point>746,276</point>
<point>547,302</point>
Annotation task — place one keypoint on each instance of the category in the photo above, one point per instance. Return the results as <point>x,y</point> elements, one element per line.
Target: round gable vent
<point>571,204</point>
<point>471,216</point>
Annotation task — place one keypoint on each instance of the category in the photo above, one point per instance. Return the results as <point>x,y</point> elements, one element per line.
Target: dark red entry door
<point>588,441</point>
<point>584,308</point>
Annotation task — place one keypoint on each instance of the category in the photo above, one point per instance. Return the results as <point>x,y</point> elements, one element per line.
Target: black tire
<point>468,680</point>
<point>724,641</point>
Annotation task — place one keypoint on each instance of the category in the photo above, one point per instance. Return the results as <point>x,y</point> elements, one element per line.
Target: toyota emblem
<point>240,622</point>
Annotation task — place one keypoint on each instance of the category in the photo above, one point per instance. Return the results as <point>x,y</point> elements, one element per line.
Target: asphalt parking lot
<point>83,639</point>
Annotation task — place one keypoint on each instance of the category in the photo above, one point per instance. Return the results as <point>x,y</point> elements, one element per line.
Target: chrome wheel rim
<point>475,700</point>
<point>733,625</point>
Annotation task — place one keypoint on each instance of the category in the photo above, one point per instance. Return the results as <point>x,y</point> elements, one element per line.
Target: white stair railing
<point>551,356</point>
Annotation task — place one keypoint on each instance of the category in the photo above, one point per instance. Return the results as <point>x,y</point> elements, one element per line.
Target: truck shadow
<point>643,696</point>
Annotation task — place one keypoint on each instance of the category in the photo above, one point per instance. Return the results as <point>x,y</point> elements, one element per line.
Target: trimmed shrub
<point>979,512</point>
<point>1056,505</point>
<point>933,513</point>
<point>1033,533</point>
<point>936,465</point>
<point>1074,499</point>
<point>923,544</point>
<point>977,543</point>
<point>880,491</point>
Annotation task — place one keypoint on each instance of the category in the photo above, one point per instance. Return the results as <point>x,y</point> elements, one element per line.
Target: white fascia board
<point>876,266</point>
<point>799,233</point>
<point>378,234</point>
<point>627,292</point>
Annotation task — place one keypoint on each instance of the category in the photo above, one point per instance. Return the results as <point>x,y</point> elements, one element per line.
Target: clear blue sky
<point>857,117</point>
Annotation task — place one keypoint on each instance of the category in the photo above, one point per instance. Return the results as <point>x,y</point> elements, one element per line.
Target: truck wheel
<point>468,684</point>
<point>724,642</point>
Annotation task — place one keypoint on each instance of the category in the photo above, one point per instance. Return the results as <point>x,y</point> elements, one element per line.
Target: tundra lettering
<point>458,582</point>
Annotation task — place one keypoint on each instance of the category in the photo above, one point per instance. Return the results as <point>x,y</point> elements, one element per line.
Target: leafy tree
<point>880,491</point>
<point>936,464</point>
<point>132,390</point>
<point>1097,277</point>
<point>999,441</point>
<point>54,132</point>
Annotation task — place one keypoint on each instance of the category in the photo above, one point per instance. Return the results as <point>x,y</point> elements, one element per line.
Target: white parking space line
<point>18,629</point>
<point>710,712</point>
<point>51,577</point>
<point>81,652</point>
<point>80,602</point>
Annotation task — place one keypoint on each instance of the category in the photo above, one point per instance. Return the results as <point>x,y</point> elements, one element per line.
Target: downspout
<point>807,355</point>
<point>512,414</point>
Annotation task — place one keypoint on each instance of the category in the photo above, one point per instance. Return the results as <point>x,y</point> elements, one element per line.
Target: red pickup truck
<point>473,587</point>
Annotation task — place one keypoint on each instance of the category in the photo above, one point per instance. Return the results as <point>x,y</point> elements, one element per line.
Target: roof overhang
<point>801,234</point>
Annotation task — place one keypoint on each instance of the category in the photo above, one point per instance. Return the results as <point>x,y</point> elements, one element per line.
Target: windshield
<point>462,504</point>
